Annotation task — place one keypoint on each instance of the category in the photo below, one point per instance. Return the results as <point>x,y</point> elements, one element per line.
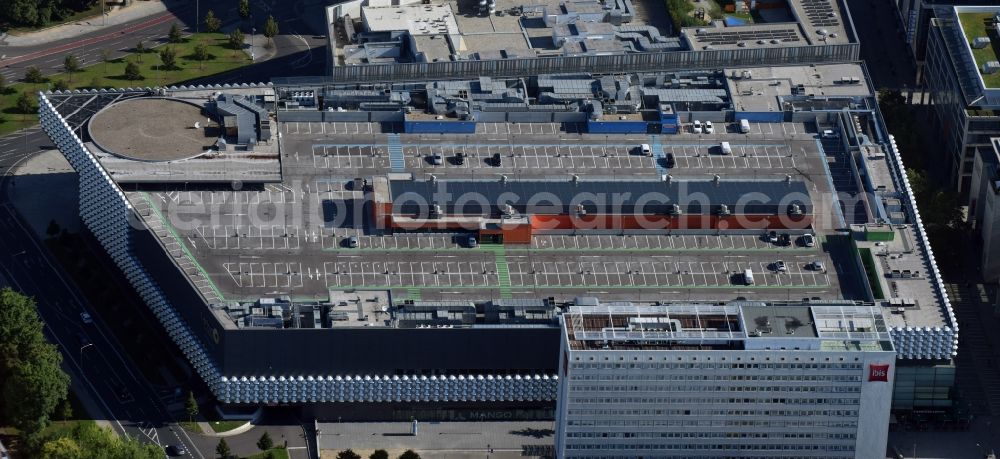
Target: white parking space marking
<point>349,157</point>
<point>655,242</point>
<point>265,275</point>
<point>437,271</point>
<point>330,128</point>
<point>590,156</point>
<point>744,156</point>
<point>251,237</point>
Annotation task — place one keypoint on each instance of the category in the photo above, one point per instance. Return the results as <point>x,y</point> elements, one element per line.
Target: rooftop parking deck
<point>551,149</point>
<point>316,229</point>
<point>312,232</point>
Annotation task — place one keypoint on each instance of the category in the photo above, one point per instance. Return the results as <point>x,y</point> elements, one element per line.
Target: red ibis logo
<point>878,372</point>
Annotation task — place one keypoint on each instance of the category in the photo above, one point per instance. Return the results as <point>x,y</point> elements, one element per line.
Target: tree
<point>168,56</point>
<point>71,63</point>
<point>201,53</point>
<point>680,14</point>
<point>132,72</point>
<point>60,85</point>
<point>65,410</point>
<point>265,443</point>
<point>409,454</point>
<point>890,97</point>
<point>33,75</point>
<point>379,454</point>
<point>212,23</point>
<point>348,454</point>
<point>53,228</point>
<point>61,448</point>
<point>34,388</point>
<point>191,406</point>
<point>25,103</point>
<point>140,49</point>
<point>174,36</point>
<point>939,209</point>
<point>236,39</point>
<point>244,9</point>
<point>105,57</point>
<point>222,449</point>
<point>24,12</point>
<point>270,29</point>
<point>20,328</point>
<point>91,440</point>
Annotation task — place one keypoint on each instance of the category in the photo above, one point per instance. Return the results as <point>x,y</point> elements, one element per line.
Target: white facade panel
<point>723,404</point>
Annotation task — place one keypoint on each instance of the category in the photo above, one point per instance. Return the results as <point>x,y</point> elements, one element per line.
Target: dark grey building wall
<point>390,351</point>
<point>242,352</point>
<point>619,63</point>
<point>179,291</point>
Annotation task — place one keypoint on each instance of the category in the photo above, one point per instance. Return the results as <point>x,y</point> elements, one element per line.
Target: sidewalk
<point>256,46</point>
<point>208,431</point>
<point>438,439</point>
<point>136,10</point>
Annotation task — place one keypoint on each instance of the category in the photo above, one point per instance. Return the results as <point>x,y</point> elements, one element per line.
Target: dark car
<point>670,162</point>
<point>460,158</point>
<point>176,450</point>
<point>497,160</point>
<point>784,240</point>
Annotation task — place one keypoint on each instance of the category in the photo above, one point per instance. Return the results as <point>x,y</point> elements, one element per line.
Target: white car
<point>709,128</point>
<point>780,267</point>
<point>85,317</point>
<point>808,240</point>
<point>696,127</point>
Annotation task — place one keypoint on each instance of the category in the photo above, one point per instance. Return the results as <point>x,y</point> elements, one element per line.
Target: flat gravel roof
<point>152,129</point>
<point>468,197</point>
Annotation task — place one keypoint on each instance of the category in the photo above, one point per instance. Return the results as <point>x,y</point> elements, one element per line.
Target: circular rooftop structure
<point>152,129</point>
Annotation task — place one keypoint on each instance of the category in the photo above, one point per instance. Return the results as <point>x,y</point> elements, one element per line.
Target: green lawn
<point>278,453</point>
<point>191,427</point>
<point>111,74</point>
<point>217,426</point>
<point>974,25</point>
<point>225,426</point>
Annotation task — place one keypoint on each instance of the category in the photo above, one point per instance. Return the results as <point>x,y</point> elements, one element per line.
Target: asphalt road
<point>295,41</point>
<point>118,40</point>
<point>90,350</point>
